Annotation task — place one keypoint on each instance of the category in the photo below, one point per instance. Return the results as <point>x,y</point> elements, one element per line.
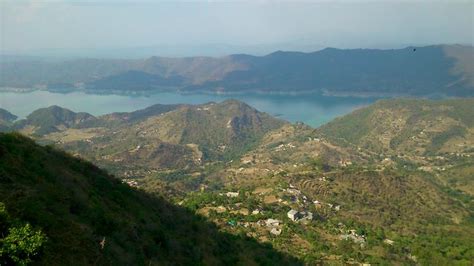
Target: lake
<point>313,110</point>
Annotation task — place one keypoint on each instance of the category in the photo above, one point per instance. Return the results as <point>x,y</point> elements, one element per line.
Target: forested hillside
<point>57,209</point>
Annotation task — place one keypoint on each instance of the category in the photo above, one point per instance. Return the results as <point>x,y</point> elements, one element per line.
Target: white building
<point>276,231</point>
<point>293,215</point>
<point>232,194</point>
<point>272,222</point>
<point>296,216</point>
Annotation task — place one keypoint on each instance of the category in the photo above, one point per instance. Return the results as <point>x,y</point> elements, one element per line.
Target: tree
<point>20,243</point>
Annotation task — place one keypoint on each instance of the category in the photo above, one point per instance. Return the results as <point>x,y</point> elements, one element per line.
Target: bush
<point>20,243</point>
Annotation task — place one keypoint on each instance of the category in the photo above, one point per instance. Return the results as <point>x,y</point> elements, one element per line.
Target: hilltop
<point>52,119</point>
<point>6,116</point>
<point>160,136</point>
<point>429,70</point>
<point>407,126</point>
<point>433,136</point>
<point>6,119</point>
<point>72,212</point>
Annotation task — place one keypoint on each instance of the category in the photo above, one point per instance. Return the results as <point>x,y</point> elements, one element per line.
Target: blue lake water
<point>313,110</point>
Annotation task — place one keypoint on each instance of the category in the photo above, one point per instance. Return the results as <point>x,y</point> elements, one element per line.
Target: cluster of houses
<point>128,174</point>
<point>274,225</point>
<point>130,182</point>
<point>318,204</point>
<point>323,179</point>
<point>345,163</point>
<point>284,147</point>
<point>296,195</point>
<point>297,216</point>
<point>356,238</point>
<point>332,206</point>
<point>230,194</point>
<point>136,148</point>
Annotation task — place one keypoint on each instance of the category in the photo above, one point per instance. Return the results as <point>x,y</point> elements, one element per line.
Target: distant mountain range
<point>419,71</point>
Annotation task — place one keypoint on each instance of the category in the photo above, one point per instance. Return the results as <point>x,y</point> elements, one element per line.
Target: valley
<point>391,182</point>
<point>237,133</point>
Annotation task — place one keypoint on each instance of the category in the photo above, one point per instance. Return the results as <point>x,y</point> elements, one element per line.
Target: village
<point>272,214</point>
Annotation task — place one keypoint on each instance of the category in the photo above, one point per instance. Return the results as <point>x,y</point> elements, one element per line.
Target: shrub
<point>22,244</point>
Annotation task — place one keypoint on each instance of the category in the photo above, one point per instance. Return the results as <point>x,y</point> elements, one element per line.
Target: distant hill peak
<point>6,116</point>
<point>47,120</point>
<point>410,126</point>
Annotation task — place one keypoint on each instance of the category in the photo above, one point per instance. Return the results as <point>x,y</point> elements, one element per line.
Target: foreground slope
<point>89,217</point>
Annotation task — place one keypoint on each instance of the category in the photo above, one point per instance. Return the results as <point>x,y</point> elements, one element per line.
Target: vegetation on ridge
<point>89,217</point>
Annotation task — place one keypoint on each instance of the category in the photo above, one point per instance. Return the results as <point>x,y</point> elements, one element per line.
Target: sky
<point>29,27</point>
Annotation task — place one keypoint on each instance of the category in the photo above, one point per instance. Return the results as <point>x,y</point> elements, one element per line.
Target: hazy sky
<point>33,25</point>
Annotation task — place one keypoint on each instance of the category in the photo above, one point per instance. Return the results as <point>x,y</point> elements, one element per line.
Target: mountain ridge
<point>158,136</point>
<point>420,71</point>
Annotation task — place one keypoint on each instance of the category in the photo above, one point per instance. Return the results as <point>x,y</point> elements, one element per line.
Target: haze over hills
<point>175,50</point>
<point>421,71</point>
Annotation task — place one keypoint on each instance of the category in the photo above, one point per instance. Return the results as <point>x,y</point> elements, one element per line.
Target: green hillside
<point>390,183</point>
<point>168,137</point>
<point>409,126</point>
<point>57,209</point>
<point>229,127</point>
<point>53,119</point>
